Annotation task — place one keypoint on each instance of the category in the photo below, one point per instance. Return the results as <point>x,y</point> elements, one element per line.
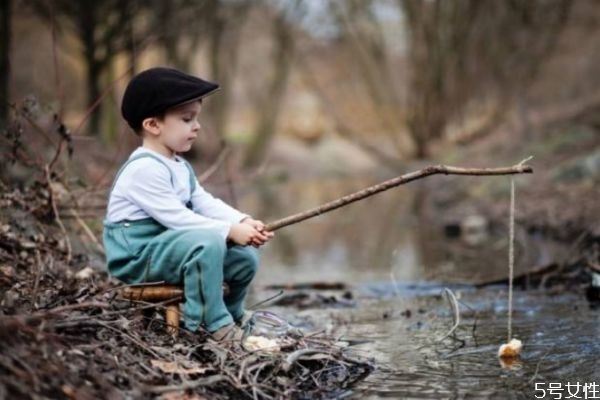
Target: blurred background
<point>320,98</point>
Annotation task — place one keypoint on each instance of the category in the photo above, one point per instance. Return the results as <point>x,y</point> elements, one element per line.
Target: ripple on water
<point>560,335</point>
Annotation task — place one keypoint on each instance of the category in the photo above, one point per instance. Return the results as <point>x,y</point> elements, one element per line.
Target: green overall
<point>199,259</point>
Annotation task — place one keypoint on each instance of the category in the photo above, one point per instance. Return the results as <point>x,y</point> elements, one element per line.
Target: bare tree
<point>180,26</point>
<point>465,51</point>
<point>225,27</point>
<point>5,36</point>
<point>357,77</point>
<point>103,29</point>
<point>268,109</point>
<point>457,56</point>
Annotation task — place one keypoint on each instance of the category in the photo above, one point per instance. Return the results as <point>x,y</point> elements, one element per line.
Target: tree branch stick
<point>400,180</point>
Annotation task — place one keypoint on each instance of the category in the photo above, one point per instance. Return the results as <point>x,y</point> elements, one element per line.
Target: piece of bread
<point>510,349</point>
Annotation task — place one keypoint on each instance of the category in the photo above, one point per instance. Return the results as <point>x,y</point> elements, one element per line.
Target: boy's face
<point>177,130</point>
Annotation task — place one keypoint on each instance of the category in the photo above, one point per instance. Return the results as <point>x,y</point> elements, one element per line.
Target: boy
<point>161,225</point>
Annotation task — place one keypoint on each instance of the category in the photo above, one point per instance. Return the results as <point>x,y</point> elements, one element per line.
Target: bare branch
<point>400,180</point>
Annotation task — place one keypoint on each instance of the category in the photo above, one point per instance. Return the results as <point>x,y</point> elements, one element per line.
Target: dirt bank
<point>66,334</point>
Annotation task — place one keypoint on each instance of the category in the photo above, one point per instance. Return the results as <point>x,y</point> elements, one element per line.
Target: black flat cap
<point>155,90</point>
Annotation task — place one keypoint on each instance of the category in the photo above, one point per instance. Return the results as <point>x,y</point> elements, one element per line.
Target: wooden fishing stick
<point>397,181</point>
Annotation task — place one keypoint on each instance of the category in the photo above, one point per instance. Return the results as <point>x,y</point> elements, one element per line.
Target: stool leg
<point>172,319</point>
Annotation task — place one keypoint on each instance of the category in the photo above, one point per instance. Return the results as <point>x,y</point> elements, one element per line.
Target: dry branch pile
<point>66,335</point>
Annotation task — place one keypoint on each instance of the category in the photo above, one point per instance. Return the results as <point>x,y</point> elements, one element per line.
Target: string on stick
<point>511,255</point>
<point>511,249</point>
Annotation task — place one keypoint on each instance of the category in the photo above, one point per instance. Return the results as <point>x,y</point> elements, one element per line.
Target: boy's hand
<point>246,233</point>
<point>259,226</point>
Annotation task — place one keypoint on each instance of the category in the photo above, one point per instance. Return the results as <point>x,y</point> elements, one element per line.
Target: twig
<point>131,338</point>
<point>260,303</point>
<point>58,152</point>
<point>294,356</point>
<point>400,180</point>
<point>215,166</point>
<point>57,215</point>
<point>136,305</point>
<point>19,384</point>
<point>537,367</point>
<point>10,320</point>
<point>263,394</point>
<point>36,283</point>
<point>454,304</point>
<point>88,231</point>
<point>96,103</point>
<point>135,285</point>
<point>71,307</point>
<point>36,127</point>
<point>208,381</point>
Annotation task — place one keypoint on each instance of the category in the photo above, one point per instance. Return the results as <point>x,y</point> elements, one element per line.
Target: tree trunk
<point>167,33</point>
<point>224,40</point>
<point>270,108</point>
<point>93,89</point>
<point>87,27</point>
<point>130,45</point>
<point>5,36</point>
<point>218,103</point>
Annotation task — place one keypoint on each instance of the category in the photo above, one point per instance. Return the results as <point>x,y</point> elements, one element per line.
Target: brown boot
<point>228,334</point>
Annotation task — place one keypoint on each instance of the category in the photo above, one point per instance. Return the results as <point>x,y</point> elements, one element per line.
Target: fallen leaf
<point>171,367</point>
<point>7,271</point>
<point>254,343</point>
<point>85,273</point>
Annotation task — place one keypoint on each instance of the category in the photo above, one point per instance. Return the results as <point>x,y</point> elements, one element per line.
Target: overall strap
<point>192,176</point>
<point>144,155</point>
<point>137,157</point>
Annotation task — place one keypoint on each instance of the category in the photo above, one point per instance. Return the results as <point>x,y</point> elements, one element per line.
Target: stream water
<point>397,260</point>
<point>560,336</point>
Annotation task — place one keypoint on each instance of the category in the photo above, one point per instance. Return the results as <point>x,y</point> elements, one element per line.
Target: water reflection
<point>396,235</point>
<point>559,335</point>
<point>360,241</point>
<point>419,367</point>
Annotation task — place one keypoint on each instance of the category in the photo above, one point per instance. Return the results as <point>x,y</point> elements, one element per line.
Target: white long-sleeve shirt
<point>147,189</point>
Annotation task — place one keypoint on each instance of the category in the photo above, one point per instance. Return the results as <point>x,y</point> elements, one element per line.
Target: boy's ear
<point>151,125</point>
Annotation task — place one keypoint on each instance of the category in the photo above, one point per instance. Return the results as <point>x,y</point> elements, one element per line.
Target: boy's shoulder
<point>145,165</point>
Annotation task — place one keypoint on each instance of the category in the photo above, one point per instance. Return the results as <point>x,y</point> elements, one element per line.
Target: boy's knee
<point>251,259</point>
<point>206,240</point>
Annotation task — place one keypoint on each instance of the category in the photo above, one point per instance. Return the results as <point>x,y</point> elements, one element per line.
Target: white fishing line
<point>512,348</point>
<point>511,256</point>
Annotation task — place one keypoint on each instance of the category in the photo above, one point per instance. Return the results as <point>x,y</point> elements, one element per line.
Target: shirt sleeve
<point>154,194</point>
<point>206,204</point>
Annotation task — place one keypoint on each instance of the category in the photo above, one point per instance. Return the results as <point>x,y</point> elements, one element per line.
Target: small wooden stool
<point>170,294</point>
